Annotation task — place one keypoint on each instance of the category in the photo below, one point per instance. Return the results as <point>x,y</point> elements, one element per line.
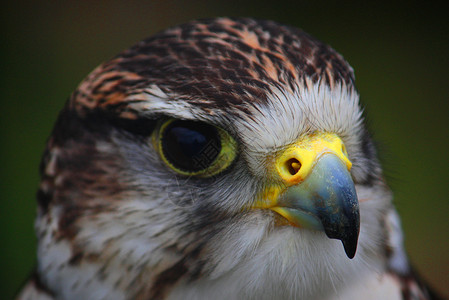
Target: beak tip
<point>349,240</point>
<point>350,246</point>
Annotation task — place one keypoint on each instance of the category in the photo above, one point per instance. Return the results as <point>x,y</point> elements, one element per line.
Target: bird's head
<point>215,148</point>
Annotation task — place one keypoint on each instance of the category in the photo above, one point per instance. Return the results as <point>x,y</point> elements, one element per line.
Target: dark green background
<point>399,52</point>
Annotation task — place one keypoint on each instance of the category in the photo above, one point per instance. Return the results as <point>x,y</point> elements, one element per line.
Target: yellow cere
<point>296,162</point>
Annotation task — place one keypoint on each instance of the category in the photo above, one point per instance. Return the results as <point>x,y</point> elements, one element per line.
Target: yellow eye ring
<point>194,148</point>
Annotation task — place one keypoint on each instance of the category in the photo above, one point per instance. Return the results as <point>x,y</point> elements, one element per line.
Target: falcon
<point>219,159</point>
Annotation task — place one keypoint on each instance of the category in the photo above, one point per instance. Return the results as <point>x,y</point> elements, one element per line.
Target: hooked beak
<point>318,191</point>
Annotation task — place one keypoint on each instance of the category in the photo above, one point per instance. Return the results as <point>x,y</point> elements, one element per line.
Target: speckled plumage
<point>115,223</point>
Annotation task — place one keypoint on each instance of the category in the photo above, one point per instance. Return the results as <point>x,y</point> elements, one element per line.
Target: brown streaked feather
<point>217,63</point>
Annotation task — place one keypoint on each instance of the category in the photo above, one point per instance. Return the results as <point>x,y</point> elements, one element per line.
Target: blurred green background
<point>399,52</point>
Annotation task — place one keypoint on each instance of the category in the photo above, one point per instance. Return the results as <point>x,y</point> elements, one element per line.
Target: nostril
<point>293,166</point>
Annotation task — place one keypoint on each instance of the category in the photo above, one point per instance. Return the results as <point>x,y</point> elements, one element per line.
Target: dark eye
<point>190,146</point>
<point>195,148</point>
